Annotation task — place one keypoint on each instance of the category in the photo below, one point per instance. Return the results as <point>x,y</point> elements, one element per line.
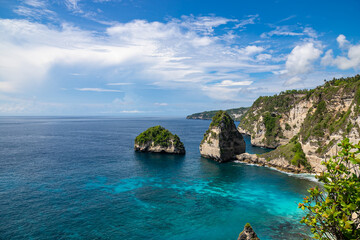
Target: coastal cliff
<point>159,140</point>
<point>317,119</point>
<point>235,114</point>
<point>222,141</point>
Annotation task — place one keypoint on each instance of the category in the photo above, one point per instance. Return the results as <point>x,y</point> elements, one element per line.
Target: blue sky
<point>168,58</point>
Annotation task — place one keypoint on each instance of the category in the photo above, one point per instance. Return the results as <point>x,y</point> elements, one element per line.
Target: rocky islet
<point>222,141</point>
<point>157,139</point>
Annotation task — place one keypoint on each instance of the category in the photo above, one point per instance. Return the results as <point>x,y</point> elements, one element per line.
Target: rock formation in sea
<point>159,140</point>
<point>316,119</point>
<point>222,141</point>
<point>248,233</point>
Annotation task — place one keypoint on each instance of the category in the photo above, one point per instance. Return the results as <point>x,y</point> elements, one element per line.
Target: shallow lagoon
<point>80,178</point>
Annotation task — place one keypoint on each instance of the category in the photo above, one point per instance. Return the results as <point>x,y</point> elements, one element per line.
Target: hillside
<point>318,118</point>
<point>234,113</point>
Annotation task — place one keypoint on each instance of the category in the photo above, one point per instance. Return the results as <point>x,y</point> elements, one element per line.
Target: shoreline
<point>303,175</point>
<point>279,164</point>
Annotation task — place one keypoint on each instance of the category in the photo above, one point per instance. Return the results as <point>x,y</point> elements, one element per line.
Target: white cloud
<point>221,93</point>
<point>292,81</point>
<point>286,19</point>
<point>97,90</point>
<point>230,83</point>
<point>352,60</point>
<point>35,3</point>
<point>119,84</point>
<point>161,104</point>
<point>290,31</point>
<point>180,53</point>
<point>249,20</point>
<point>263,57</point>
<point>341,39</point>
<point>35,9</point>
<point>252,50</point>
<point>131,111</point>
<point>11,105</point>
<point>301,59</point>
<point>72,5</point>
<point>204,25</point>
<point>310,32</point>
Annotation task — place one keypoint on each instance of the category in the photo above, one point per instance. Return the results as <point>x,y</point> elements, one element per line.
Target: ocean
<point>79,178</point>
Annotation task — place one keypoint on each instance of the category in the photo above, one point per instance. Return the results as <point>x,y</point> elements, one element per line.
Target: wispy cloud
<point>230,83</point>
<point>119,84</point>
<point>290,30</point>
<point>131,111</point>
<point>161,104</point>
<point>247,21</point>
<point>97,90</point>
<point>35,9</point>
<point>72,5</point>
<point>36,3</point>
<point>287,19</point>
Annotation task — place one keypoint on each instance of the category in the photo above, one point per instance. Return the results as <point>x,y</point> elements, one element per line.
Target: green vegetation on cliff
<point>271,109</point>
<point>292,152</point>
<point>221,117</point>
<point>159,136</point>
<point>325,118</point>
<point>272,127</point>
<point>234,113</point>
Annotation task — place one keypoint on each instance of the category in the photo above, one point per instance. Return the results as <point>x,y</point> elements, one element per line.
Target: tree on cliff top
<point>335,213</point>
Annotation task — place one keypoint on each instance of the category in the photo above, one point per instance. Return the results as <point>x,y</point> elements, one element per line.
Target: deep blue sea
<point>79,178</point>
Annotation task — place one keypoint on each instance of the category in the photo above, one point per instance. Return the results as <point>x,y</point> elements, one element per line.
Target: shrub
<point>330,211</point>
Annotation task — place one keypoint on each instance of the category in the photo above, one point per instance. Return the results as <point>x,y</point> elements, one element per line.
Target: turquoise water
<point>79,178</point>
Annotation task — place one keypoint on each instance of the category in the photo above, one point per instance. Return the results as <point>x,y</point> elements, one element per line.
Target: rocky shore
<point>279,163</point>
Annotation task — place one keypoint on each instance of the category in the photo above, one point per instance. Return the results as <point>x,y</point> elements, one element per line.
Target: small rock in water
<point>248,233</point>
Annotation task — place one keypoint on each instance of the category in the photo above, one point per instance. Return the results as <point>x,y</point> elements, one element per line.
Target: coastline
<point>302,175</point>
<point>279,164</point>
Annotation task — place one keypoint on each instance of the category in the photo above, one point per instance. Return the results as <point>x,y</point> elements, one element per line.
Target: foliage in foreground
<point>334,213</point>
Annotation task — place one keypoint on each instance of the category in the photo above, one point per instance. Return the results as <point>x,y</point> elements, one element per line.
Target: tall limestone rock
<point>222,141</point>
<point>317,119</point>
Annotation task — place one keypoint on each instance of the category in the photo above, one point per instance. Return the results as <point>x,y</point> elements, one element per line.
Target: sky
<point>168,57</point>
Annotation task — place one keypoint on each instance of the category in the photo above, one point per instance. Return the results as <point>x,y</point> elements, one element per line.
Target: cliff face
<point>152,147</point>
<point>159,140</point>
<point>222,141</point>
<point>317,118</point>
